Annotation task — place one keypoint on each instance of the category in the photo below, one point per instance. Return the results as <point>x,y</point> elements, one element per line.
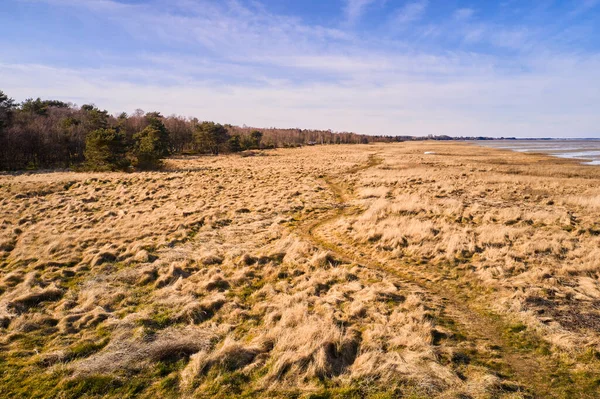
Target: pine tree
<point>235,144</point>
<point>148,149</point>
<point>256,137</point>
<point>6,107</point>
<point>210,137</point>
<point>105,150</point>
<point>155,121</point>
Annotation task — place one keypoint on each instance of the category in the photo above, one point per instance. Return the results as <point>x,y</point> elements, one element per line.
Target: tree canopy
<point>46,133</point>
<point>148,148</point>
<point>106,150</point>
<point>256,137</point>
<point>6,108</point>
<point>210,137</point>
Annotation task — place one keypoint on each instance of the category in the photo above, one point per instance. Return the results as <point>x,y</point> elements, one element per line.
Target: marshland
<point>415,269</point>
<point>299,199</point>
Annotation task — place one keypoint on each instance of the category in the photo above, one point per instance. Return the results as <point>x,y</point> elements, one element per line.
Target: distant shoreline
<point>585,151</point>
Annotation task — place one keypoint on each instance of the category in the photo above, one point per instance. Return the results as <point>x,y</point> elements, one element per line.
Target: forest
<point>40,133</point>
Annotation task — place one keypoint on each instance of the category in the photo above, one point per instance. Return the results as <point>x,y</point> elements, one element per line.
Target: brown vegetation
<point>342,271</point>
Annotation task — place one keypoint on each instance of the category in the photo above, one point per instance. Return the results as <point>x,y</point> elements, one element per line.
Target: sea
<point>587,151</point>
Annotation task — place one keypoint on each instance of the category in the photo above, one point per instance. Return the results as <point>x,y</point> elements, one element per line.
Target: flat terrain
<point>326,272</point>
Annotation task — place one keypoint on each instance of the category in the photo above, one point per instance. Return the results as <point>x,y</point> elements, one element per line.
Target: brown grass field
<point>366,271</point>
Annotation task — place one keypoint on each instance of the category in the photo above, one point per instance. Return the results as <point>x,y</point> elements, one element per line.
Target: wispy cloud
<point>411,12</point>
<point>354,9</point>
<point>582,6</point>
<point>484,101</point>
<point>464,14</point>
<point>98,5</point>
<point>238,62</point>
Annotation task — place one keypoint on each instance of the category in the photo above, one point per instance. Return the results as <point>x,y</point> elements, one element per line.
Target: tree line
<point>53,134</point>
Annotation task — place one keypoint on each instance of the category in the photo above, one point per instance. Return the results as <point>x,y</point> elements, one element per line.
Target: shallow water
<point>588,151</point>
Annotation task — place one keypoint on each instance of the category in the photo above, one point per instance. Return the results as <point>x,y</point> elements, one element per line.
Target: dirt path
<point>516,355</point>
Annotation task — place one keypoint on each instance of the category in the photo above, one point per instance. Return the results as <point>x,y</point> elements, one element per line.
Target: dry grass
<point>196,281</point>
<point>522,225</point>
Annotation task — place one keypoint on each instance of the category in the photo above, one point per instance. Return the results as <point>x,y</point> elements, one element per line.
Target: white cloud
<point>411,12</point>
<point>474,34</point>
<point>97,5</point>
<point>244,65</point>
<point>511,38</point>
<point>355,8</point>
<point>555,101</point>
<point>464,14</point>
<point>582,6</point>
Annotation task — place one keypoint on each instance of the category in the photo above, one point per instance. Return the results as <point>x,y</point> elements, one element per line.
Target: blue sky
<point>525,68</point>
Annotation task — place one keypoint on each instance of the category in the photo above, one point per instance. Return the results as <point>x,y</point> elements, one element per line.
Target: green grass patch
<point>86,348</point>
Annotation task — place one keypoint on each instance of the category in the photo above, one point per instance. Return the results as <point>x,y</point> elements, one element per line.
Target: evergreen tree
<point>105,150</point>
<point>6,108</point>
<point>155,121</point>
<point>210,137</point>
<point>94,117</point>
<point>235,144</point>
<point>6,112</point>
<point>40,107</point>
<point>148,149</point>
<point>256,137</point>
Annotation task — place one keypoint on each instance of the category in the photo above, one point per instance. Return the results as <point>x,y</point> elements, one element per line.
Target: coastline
<point>585,151</point>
